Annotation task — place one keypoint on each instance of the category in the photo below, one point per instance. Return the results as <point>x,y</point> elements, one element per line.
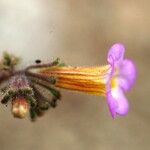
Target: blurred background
<point>80,33</point>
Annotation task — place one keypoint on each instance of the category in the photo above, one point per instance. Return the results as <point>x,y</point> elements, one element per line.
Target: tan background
<point>79,32</point>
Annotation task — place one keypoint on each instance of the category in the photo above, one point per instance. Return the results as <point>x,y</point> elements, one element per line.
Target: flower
<point>111,80</point>
<point>121,79</point>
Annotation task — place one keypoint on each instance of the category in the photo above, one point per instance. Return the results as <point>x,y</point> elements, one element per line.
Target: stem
<point>38,95</point>
<point>50,80</point>
<point>39,66</point>
<point>55,92</point>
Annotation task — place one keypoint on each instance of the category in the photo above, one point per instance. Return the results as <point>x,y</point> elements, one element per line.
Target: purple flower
<point>121,79</point>
<point>110,80</point>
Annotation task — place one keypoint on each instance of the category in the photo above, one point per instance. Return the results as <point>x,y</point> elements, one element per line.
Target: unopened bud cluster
<point>18,91</point>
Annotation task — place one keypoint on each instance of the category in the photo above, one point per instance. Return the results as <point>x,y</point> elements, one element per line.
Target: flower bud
<point>20,107</point>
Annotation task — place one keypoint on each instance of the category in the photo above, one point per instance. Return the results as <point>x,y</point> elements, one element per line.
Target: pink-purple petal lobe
<point>127,74</point>
<point>117,102</point>
<point>122,103</point>
<point>116,52</point>
<point>112,104</point>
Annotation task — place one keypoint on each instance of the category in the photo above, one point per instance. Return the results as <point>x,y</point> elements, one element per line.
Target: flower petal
<point>127,74</point>
<point>116,53</point>
<point>112,104</point>
<point>117,102</point>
